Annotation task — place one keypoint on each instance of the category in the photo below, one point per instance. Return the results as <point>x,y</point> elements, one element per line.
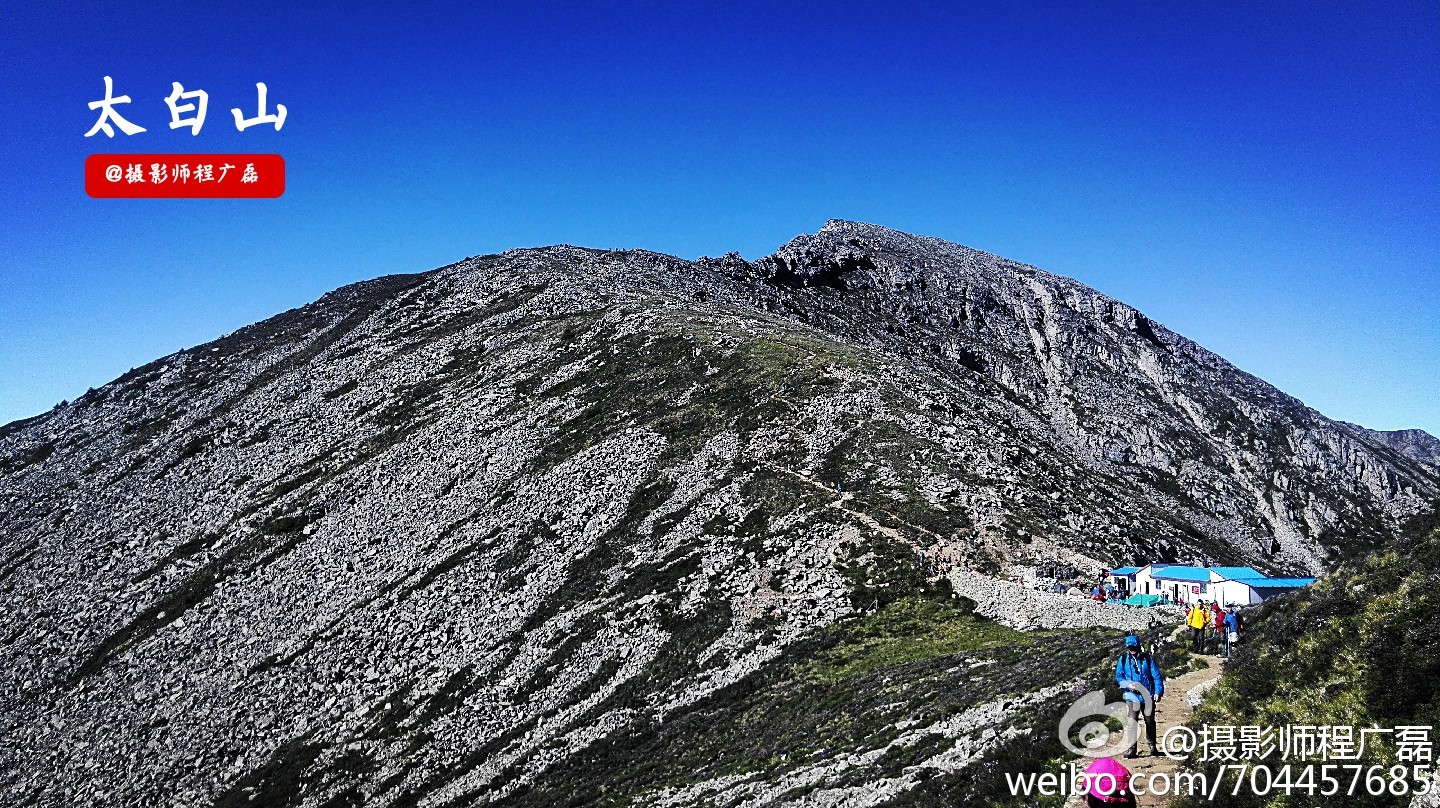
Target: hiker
<point>1109,785</point>
<point>1219,628</point>
<point>1232,631</point>
<point>1137,669</point>
<point>1195,619</point>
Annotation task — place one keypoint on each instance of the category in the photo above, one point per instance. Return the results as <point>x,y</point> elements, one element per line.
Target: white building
<point>1242,586</point>
<point>1182,583</point>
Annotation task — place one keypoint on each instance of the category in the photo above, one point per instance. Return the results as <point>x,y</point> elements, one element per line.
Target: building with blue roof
<point>1250,589</point>
<point>1184,583</point>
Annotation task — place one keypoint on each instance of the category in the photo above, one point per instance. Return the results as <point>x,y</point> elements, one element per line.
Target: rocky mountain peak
<point>1415,444</point>
<point>493,531</point>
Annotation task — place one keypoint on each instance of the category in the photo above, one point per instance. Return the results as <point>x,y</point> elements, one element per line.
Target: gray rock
<point>505,496</point>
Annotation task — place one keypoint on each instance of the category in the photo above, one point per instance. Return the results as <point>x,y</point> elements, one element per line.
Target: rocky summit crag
<point>574,526</point>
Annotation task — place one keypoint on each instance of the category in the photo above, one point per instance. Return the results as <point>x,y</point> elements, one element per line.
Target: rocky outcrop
<point>431,537</point>
<point>1415,444</point>
<point>1196,695</point>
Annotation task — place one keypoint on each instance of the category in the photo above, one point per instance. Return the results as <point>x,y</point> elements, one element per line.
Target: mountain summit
<point>521,528</point>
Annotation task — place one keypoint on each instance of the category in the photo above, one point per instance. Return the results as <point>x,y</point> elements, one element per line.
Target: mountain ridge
<point>426,539</point>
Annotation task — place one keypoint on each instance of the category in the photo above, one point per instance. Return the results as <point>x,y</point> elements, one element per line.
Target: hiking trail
<point>1172,710</point>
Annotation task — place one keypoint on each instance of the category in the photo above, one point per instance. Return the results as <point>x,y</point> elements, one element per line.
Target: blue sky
<point>1263,178</point>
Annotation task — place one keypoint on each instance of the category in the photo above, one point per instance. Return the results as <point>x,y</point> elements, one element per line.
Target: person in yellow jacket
<point>1196,619</point>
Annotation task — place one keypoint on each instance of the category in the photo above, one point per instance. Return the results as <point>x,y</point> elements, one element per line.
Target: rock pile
<point>1024,608</point>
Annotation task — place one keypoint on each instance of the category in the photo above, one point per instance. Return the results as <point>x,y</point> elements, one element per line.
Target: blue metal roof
<point>1181,572</point>
<point>1245,575</point>
<point>1237,573</point>
<point>1277,583</point>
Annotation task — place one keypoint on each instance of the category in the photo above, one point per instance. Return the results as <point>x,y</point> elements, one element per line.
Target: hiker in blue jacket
<point>1232,630</point>
<point>1133,670</point>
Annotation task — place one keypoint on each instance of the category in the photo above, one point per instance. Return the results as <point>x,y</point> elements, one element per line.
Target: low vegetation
<point>910,629</point>
<point>1359,648</point>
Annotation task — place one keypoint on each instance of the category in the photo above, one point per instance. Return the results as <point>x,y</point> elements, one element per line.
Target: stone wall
<point>1023,608</point>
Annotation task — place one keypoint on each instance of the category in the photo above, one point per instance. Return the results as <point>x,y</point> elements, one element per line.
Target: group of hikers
<point>1106,592</point>
<point>1212,626</point>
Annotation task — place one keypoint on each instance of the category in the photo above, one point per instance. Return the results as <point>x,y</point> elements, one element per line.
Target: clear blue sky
<point>1261,177</point>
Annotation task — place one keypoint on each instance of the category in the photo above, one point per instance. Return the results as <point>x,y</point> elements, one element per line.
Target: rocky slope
<point>1416,444</point>
<point>434,538</point>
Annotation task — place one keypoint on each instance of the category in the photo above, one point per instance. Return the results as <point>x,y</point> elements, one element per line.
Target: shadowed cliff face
<point>427,539</point>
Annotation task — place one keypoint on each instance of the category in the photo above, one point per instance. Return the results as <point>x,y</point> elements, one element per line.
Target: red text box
<point>184,176</point>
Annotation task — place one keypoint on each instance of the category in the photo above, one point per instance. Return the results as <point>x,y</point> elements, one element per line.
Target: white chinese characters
<point>177,173</point>
<point>106,106</point>
<point>187,109</point>
<point>261,117</point>
<point>194,122</point>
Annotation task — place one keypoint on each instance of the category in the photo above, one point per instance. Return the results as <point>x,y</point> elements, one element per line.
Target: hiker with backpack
<point>1137,674</point>
<point>1232,631</point>
<point>1196,620</point>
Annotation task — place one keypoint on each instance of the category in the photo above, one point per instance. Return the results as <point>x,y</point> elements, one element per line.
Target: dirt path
<point>845,496</point>
<point>1172,710</point>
